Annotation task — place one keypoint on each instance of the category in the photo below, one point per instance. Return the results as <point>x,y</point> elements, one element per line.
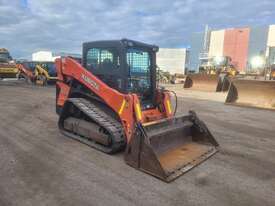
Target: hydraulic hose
<point>176,99</point>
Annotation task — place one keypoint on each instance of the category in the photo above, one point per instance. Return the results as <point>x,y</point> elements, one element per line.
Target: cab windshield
<point>139,64</point>
<point>50,67</point>
<point>29,65</point>
<point>4,57</point>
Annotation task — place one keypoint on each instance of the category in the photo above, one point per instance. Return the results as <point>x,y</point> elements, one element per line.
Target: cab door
<point>105,63</point>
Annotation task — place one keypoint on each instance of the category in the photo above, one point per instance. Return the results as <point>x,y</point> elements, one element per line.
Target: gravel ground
<point>39,166</point>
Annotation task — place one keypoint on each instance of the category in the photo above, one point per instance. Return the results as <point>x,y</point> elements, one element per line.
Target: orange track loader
<point>111,103</point>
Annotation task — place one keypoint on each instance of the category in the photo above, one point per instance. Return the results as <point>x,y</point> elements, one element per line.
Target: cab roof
<point>119,43</point>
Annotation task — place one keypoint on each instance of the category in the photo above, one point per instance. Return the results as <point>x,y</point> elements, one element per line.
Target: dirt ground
<point>39,166</point>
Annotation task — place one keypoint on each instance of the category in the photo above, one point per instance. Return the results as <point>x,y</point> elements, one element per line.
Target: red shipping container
<point>236,46</point>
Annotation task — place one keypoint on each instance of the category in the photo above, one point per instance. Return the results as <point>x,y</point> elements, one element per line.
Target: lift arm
<point>122,104</point>
<point>41,70</point>
<point>25,71</point>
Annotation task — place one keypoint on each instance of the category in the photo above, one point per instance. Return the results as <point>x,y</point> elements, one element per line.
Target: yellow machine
<point>215,76</point>
<point>178,78</point>
<point>163,77</point>
<point>39,73</point>
<point>252,93</point>
<point>254,90</point>
<point>272,73</point>
<point>45,73</point>
<point>8,67</point>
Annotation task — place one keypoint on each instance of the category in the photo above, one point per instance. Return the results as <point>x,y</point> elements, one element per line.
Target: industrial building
<point>43,56</point>
<point>50,56</point>
<point>173,60</point>
<point>242,45</point>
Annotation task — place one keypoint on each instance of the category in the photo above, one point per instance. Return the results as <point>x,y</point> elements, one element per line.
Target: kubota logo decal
<point>90,81</point>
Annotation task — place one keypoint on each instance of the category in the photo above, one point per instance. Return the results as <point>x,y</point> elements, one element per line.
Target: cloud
<point>56,25</point>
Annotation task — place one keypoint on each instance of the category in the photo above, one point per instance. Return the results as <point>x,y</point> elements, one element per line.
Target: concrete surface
<point>201,95</point>
<point>39,166</point>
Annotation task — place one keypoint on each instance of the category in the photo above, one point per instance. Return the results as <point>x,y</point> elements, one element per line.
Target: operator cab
<point>30,65</point>
<point>5,56</point>
<point>125,65</point>
<point>50,67</point>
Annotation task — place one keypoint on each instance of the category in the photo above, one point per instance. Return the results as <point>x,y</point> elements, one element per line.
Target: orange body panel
<point>63,94</point>
<point>127,106</point>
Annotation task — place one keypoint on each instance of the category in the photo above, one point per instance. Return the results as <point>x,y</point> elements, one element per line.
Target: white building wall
<point>43,56</point>
<point>271,36</point>
<point>270,39</point>
<point>216,43</point>
<point>172,60</point>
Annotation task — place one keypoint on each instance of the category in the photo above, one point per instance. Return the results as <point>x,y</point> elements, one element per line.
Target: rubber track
<point>97,115</point>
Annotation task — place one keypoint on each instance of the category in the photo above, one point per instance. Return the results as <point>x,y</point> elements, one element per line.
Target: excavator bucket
<point>170,147</point>
<point>226,83</point>
<point>252,93</point>
<point>203,82</point>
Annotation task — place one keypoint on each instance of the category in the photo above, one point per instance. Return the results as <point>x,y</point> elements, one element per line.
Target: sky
<point>27,26</point>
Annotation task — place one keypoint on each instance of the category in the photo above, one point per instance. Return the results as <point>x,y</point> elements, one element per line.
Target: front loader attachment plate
<point>252,93</point>
<point>170,147</point>
<point>203,82</point>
